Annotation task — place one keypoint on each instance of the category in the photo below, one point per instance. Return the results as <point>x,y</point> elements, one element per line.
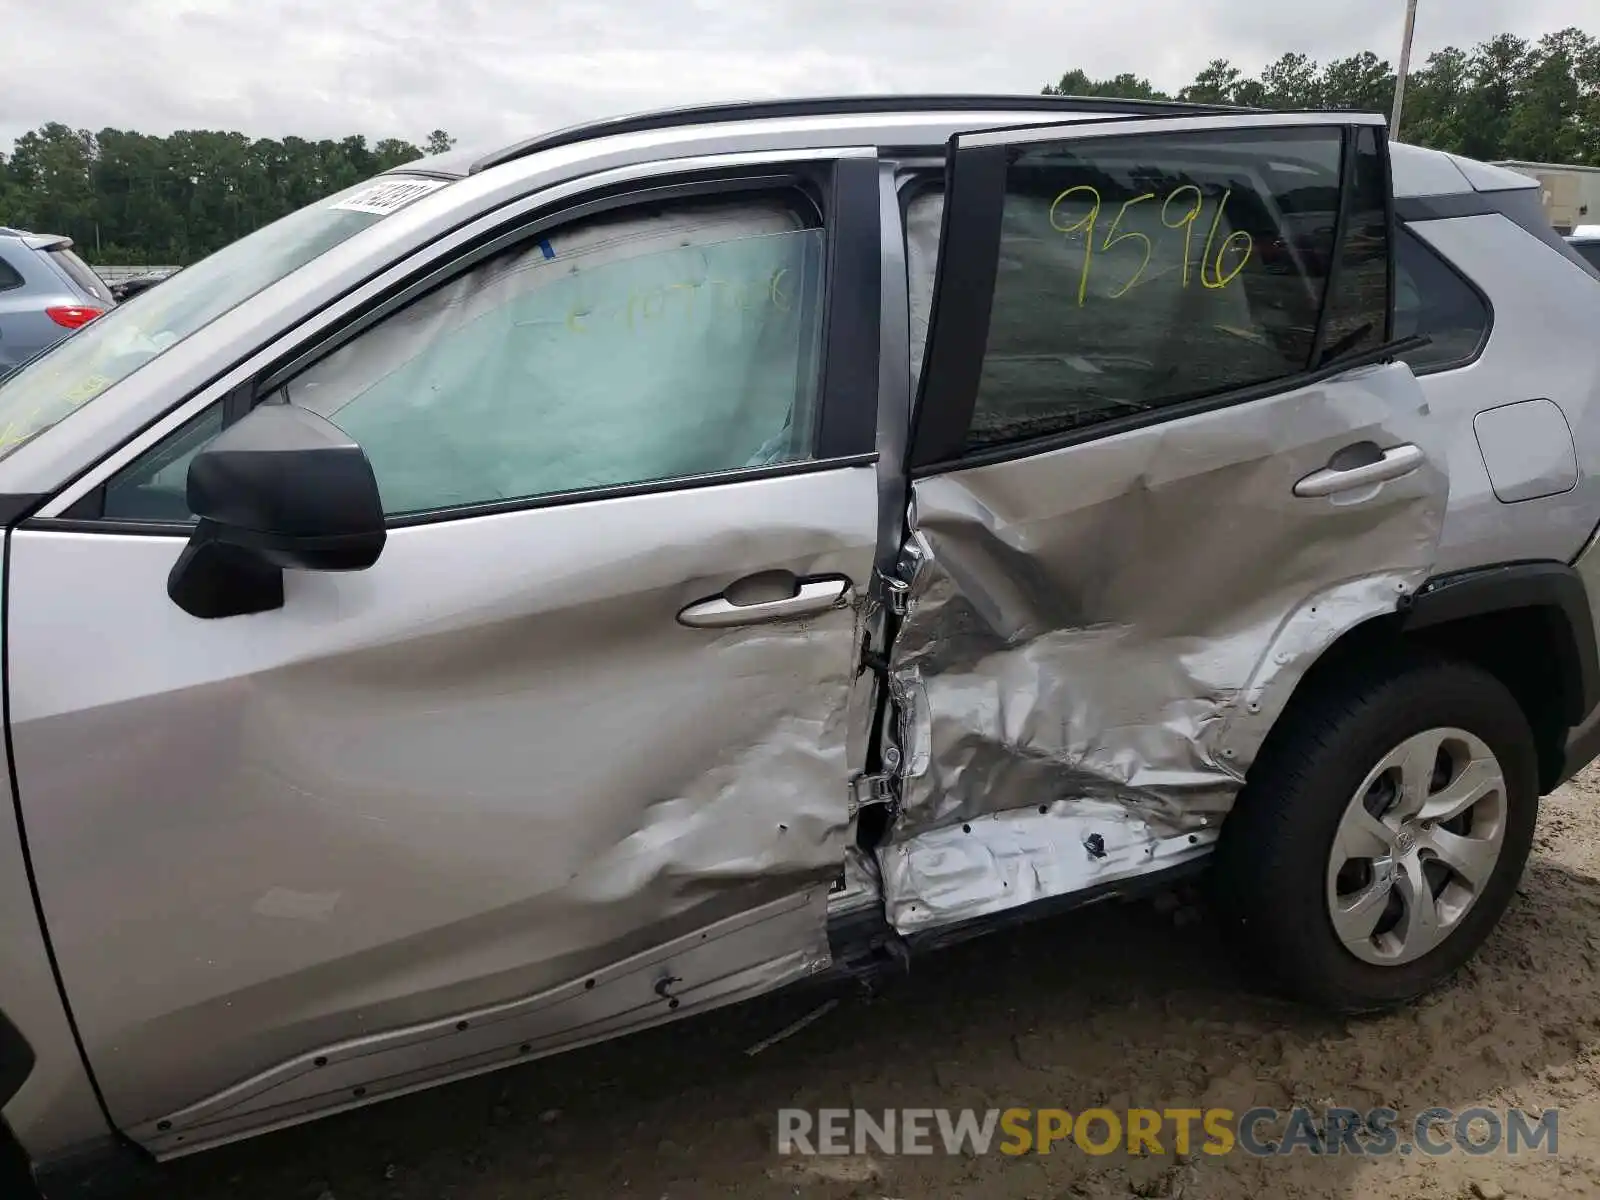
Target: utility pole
<point>1405,68</point>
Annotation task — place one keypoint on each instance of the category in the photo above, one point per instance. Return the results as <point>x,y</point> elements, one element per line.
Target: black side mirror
<point>282,488</point>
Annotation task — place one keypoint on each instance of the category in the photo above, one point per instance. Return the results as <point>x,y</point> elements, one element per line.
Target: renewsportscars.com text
<point>1214,1131</point>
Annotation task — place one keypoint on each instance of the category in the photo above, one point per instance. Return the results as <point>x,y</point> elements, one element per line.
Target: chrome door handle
<point>1396,462</point>
<point>811,597</point>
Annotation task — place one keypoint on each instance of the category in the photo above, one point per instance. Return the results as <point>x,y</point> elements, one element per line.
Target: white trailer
<point>1571,192</point>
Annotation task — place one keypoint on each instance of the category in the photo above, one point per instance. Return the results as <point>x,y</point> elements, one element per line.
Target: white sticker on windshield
<point>381,199</point>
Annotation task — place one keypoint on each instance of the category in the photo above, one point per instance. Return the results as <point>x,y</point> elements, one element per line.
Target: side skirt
<point>721,964</point>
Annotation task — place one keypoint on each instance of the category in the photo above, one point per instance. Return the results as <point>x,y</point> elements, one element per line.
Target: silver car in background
<point>544,593</point>
<point>46,292</point>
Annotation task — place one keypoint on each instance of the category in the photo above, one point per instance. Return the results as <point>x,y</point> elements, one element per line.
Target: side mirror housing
<point>283,488</point>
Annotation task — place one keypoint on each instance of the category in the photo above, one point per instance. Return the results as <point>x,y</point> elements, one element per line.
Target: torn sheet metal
<point>1119,624</point>
<point>949,875</point>
<point>857,887</point>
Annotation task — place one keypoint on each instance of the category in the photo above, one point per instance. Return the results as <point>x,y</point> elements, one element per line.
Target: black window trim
<point>844,195</point>
<point>1341,230</point>
<point>1408,231</point>
<point>952,359</point>
<point>8,269</point>
<point>958,317</point>
<point>1391,222</point>
<point>1521,206</point>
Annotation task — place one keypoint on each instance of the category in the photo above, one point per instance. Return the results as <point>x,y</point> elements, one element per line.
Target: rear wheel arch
<point>1528,624</point>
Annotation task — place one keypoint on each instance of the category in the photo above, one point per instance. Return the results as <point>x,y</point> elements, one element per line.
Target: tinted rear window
<point>1144,271</point>
<point>9,278</point>
<point>1590,252</point>
<point>1431,299</point>
<point>78,271</point>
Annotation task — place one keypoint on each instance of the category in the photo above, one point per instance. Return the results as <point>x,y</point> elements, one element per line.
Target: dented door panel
<point>491,765</point>
<point>1098,639</point>
<point>1101,631</point>
<point>572,758</point>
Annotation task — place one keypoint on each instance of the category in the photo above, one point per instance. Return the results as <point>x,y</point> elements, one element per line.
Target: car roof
<point>833,106</point>
<point>872,119</point>
<point>471,160</point>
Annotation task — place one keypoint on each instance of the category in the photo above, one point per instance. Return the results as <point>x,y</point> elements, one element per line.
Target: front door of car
<point>1162,458</point>
<point>571,758</point>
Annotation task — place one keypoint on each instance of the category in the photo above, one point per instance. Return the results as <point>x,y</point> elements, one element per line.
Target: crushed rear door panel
<point>1140,510</point>
<point>1097,639</point>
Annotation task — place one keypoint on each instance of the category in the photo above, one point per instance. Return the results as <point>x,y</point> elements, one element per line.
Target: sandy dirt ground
<point>1118,1005</point>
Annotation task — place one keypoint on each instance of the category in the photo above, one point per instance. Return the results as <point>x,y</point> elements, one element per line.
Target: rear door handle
<point>1396,462</point>
<point>811,596</point>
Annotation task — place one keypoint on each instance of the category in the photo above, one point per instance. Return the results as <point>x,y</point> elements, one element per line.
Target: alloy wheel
<point>1416,846</point>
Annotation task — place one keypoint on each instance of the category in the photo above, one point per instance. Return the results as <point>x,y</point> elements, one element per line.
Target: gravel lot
<point>1117,1005</point>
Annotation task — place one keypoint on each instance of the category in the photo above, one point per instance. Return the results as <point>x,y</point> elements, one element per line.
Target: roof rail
<point>833,106</point>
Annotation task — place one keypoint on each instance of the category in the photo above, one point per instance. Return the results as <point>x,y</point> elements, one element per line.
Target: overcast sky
<point>498,69</point>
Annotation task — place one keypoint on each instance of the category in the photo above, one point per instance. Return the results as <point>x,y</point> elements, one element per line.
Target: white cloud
<point>491,70</point>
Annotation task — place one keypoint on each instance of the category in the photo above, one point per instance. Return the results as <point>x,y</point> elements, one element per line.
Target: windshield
<point>78,368</point>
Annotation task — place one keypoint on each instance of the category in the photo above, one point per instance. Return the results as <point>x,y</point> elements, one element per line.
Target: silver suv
<point>544,593</point>
<point>46,291</point>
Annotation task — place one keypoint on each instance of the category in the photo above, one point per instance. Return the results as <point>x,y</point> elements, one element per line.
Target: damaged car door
<point>1162,458</point>
<point>570,758</point>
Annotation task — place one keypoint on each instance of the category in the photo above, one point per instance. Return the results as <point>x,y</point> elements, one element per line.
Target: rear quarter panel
<point>1542,346</point>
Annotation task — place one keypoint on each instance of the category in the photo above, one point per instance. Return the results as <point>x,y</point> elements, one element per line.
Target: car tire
<point>1301,861</point>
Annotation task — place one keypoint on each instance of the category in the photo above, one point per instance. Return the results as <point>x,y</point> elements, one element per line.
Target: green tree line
<point>130,198</point>
<point>1506,98</point>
